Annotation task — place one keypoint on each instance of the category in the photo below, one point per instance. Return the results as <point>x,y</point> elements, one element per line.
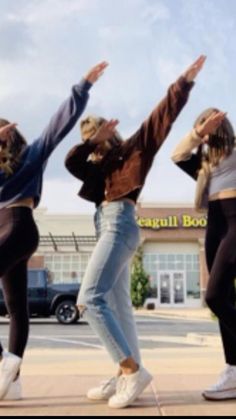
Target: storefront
<point>173,247</point>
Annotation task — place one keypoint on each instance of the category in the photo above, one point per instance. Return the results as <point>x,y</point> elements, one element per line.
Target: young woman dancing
<point>21,177</point>
<point>114,173</point>
<point>213,164</point>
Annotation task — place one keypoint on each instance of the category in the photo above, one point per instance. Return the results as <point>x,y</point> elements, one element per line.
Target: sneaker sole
<point>220,396</point>
<point>99,399</point>
<point>12,399</point>
<point>146,383</point>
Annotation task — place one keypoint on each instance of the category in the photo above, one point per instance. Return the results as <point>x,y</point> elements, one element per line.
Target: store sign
<point>173,222</point>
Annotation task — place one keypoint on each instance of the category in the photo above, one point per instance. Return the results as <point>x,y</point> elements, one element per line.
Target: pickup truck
<point>46,299</point>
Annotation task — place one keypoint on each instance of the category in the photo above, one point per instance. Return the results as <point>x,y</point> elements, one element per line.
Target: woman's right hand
<point>96,72</point>
<point>106,132</point>
<point>210,126</point>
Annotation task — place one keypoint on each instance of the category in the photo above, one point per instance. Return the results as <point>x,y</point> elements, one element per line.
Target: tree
<point>140,281</point>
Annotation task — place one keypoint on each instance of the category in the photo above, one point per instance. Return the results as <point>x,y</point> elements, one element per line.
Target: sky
<point>46,46</point>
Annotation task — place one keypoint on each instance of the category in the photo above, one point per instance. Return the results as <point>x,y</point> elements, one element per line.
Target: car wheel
<point>67,313</point>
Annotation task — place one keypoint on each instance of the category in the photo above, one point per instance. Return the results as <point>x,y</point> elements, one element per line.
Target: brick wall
<point>36,262</point>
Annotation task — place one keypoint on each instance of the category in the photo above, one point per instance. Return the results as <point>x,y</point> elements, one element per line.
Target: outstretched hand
<point>193,71</point>
<point>96,72</point>
<point>106,132</point>
<point>210,126</point>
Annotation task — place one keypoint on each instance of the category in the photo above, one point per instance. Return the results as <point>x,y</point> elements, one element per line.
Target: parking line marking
<point>71,342</point>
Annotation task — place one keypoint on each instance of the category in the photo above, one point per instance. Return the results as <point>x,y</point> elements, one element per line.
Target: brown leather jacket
<point>126,167</point>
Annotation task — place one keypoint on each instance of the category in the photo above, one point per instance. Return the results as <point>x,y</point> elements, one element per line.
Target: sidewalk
<point>55,384</point>
<point>178,313</point>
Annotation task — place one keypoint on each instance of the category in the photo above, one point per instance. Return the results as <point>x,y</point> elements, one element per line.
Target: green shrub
<point>140,283</point>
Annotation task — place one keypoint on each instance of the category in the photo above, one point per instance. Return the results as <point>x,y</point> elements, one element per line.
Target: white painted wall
<point>172,248</point>
<point>63,224</point>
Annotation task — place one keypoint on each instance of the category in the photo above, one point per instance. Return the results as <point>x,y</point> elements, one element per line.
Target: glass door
<point>179,288</point>
<point>172,288</point>
<point>165,288</point>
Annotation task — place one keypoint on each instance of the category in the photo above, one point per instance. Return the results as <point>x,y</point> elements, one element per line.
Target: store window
<point>67,268</point>
<point>188,263</point>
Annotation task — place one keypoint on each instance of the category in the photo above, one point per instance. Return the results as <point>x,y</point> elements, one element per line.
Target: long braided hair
<point>221,144</point>
<point>11,149</point>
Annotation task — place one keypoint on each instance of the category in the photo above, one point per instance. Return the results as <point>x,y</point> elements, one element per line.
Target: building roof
<point>73,241</point>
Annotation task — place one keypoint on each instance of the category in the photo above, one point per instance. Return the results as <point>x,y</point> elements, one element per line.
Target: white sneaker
<point>9,367</point>
<point>225,389</point>
<point>129,388</point>
<point>103,393</point>
<point>15,391</point>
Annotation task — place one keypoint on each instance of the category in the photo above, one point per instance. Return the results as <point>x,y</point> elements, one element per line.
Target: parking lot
<point>154,333</point>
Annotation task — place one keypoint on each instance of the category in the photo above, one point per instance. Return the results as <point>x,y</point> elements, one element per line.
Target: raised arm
<point>185,148</point>
<point>67,115</point>
<point>184,156</point>
<point>77,160</point>
<point>156,128</point>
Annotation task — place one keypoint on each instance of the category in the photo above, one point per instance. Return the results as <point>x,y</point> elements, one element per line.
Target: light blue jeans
<point>105,293</point>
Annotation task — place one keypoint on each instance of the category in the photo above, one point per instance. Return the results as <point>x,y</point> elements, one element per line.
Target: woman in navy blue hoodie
<point>21,176</point>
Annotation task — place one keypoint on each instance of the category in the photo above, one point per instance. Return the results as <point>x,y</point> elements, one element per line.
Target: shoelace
<point>107,383</point>
<point>122,385</point>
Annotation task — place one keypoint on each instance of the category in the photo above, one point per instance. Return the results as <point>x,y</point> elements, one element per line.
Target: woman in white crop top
<point>208,155</point>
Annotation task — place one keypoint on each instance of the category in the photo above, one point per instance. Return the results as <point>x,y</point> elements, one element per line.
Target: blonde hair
<point>90,126</point>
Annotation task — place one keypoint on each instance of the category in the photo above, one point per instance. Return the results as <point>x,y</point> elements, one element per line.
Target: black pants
<point>19,239</point>
<point>221,259</point>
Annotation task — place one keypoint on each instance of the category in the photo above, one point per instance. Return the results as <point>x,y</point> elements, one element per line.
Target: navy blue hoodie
<point>26,182</point>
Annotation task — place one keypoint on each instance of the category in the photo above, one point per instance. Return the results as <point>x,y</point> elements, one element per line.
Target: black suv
<point>47,299</point>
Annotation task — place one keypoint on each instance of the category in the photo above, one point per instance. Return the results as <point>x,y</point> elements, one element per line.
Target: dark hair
<point>221,143</point>
<point>12,148</point>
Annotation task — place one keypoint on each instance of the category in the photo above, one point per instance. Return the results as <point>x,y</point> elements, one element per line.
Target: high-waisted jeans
<point>105,294</point>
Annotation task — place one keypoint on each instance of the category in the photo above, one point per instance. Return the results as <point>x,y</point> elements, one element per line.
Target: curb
<point>210,341</point>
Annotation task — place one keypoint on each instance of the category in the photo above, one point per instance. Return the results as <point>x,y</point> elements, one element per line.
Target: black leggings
<point>221,259</point>
<point>19,239</point>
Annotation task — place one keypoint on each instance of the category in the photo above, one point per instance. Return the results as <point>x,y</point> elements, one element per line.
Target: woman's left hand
<point>195,69</point>
<point>96,72</point>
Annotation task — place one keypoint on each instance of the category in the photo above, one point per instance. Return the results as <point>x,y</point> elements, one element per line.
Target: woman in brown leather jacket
<point>114,173</point>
